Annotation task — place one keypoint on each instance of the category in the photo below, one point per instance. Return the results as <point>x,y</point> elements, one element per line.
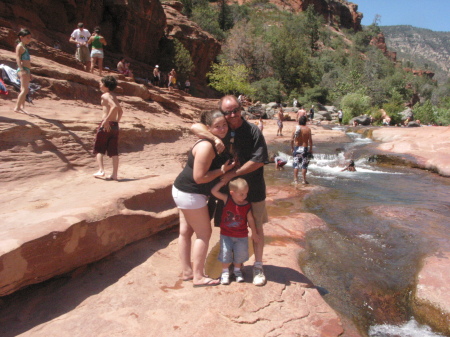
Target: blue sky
<point>430,14</point>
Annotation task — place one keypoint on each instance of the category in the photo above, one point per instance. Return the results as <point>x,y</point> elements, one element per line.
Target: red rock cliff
<point>338,12</point>
<point>132,28</point>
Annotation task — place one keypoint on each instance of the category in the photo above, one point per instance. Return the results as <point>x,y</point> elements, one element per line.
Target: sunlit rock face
<point>337,12</point>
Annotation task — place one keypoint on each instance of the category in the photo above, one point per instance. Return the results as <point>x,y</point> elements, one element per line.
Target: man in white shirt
<point>80,37</point>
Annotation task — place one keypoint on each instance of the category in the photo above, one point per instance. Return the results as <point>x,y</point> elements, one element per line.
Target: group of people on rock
<point>224,173</point>
<point>83,38</point>
<point>225,169</point>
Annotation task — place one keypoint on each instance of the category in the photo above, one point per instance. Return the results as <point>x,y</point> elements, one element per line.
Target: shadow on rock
<point>46,301</point>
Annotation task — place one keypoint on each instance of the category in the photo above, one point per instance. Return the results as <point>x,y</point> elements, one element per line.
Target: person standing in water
<point>300,142</point>
<point>23,71</point>
<point>280,122</point>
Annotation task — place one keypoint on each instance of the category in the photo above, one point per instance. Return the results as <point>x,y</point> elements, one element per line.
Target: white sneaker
<point>225,278</point>
<point>258,276</point>
<point>239,276</point>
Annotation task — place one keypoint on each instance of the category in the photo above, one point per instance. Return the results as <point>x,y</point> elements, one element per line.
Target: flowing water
<point>382,221</point>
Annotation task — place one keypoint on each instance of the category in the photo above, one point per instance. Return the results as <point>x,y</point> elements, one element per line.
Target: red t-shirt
<point>234,219</point>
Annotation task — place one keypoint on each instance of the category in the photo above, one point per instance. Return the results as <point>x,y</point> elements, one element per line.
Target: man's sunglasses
<point>235,111</point>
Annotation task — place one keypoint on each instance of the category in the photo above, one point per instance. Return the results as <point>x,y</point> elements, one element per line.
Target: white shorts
<point>186,200</point>
<point>98,53</point>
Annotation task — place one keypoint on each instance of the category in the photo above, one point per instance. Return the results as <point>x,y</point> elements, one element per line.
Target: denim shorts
<point>185,200</point>
<point>233,249</point>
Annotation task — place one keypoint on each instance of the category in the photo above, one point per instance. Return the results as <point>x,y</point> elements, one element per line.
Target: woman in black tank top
<point>190,191</point>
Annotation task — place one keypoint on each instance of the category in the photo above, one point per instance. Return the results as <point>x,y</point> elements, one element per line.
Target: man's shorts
<point>107,142</point>
<point>280,124</point>
<point>259,212</point>
<point>82,54</point>
<point>233,249</point>
<point>301,158</point>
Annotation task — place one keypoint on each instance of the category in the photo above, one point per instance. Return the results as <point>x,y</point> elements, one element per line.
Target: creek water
<point>381,222</point>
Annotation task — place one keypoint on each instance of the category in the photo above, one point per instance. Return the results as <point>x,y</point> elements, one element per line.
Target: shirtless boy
<point>280,122</point>
<point>107,138</point>
<point>300,142</point>
<point>301,112</point>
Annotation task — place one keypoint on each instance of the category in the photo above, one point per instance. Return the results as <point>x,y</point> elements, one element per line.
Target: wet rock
<point>361,120</point>
<point>431,302</point>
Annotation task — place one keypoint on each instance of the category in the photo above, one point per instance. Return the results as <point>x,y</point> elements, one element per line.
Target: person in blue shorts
<point>301,145</point>
<point>236,214</point>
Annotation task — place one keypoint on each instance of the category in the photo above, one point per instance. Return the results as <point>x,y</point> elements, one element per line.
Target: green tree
<point>244,47</point>
<point>269,90</point>
<point>183,60</point>
<point>312,27</point>
<point>425,112</point>
<point>354,104</point>
<point>225,16</point>
<point>207,18</point>
<point>230,79</point>
<point>394,106</point>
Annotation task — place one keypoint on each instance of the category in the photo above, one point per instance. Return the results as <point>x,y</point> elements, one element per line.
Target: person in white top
<point>80,37</point>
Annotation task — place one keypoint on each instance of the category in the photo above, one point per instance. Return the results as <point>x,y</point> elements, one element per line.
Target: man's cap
<point>157,66</point>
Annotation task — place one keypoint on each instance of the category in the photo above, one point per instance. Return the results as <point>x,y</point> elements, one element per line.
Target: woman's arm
<point>203,157</point>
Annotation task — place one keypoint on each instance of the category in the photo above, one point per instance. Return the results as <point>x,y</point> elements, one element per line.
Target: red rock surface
<point>432,296</point>
<point>429,145</point>
<point>57,217</point>
<point>139,292</point>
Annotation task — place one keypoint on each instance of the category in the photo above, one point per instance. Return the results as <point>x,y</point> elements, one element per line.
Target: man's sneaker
<point>239,276</point>
<point>258,276</point>
<point>225,278</point>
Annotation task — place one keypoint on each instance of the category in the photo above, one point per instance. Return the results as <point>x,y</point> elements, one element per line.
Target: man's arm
<point>248,167</point>
<point>201,131</point>
<point>310,141</point>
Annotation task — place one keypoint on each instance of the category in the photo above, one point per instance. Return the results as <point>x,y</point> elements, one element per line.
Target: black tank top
<point>185,180</point>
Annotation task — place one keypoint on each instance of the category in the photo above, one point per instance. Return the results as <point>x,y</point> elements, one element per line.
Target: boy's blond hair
<point>237,184</point>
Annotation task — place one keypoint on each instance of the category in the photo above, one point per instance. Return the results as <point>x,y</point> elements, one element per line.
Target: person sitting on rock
<point>107,138</point>
<point>236,215</point>
<point>123,67</point>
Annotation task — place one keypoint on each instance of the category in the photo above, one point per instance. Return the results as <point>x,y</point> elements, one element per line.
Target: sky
<point>430,14</point>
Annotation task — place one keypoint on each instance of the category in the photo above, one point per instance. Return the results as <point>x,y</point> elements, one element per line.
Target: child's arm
<point>215,191</point>
<point>252,225</point>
